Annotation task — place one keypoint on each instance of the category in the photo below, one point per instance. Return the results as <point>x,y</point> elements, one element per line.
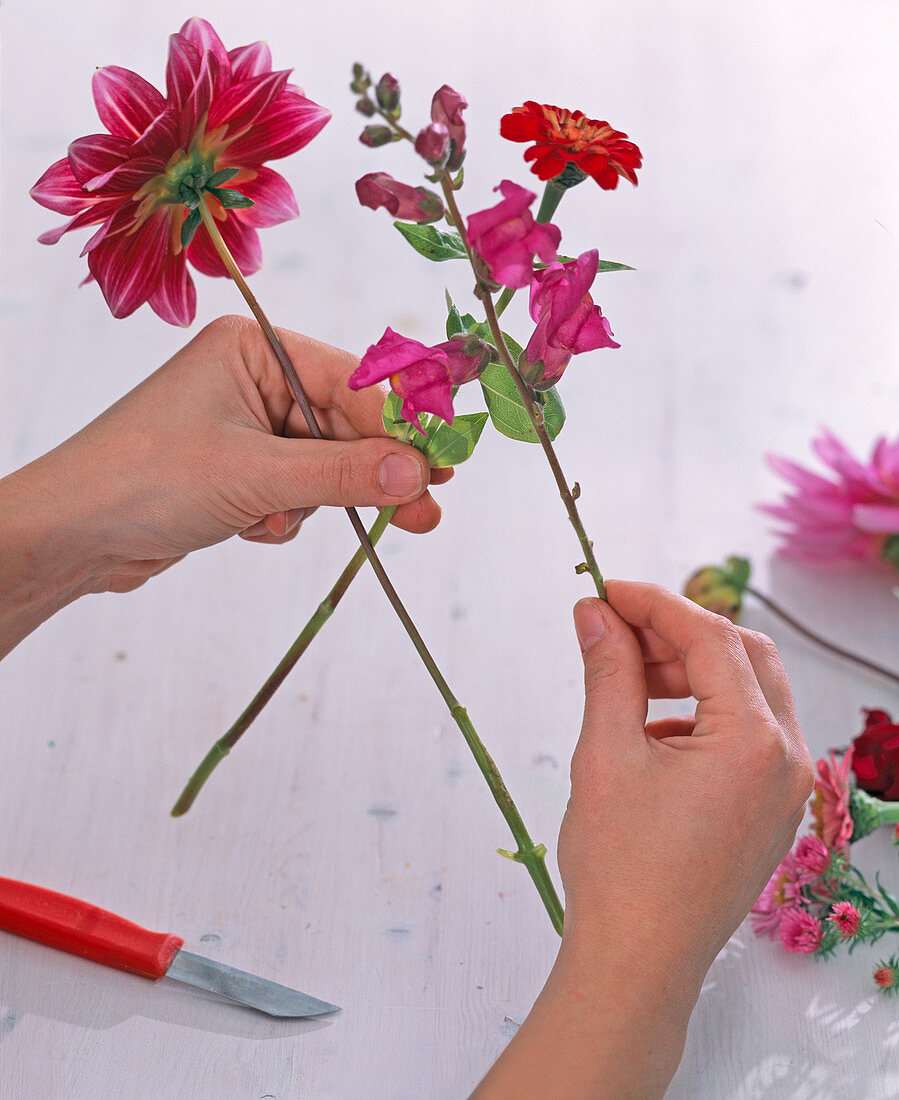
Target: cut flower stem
<point>530,854</point>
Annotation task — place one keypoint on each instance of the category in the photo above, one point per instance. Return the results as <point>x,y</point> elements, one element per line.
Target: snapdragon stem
<point>846,654</point>
<point>534,410</point>
<point>530,854</point>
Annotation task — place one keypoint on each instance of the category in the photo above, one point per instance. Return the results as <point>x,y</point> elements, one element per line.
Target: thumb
<point>616,700</point>
<point>363,472</point>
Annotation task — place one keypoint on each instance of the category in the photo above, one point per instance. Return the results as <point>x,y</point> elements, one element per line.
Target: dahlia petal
<point>290,123</point>
<point>801,478</point>
<point>197,103</point>
<point>837,456</point>
<point>273,196</point>
<point>175,298</point>
<point>242,241</point>
<point>242,103</point>
<point>877,518</point>
<point>101,232</point>
<point>252,60</point>
<point>160,139</point>
<point>128,265</point>
<point>127,177</point>
<point>96,212</point>
<point>181,71</point>
<point>59,190</point>
<point>96,153</point>
<point>203,37</point>
<point>126,103</point>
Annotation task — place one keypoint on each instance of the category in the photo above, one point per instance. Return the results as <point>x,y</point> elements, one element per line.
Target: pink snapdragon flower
<point>830,802</point>
<point>223,110</point>
<point>446,109</point>
<point>854,514</point>
<point>847,918</point>
<point>410,204</point>
<point>507,238</point>
<point>783,893</point>
<point>568,320</point>
<point>800,932</point>
<point>423,377</point>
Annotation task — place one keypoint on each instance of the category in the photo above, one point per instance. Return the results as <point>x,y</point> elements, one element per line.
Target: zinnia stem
<point>531,855</point>
<point>323,612</point>
<point>846,654</point>
<point>534,411</point>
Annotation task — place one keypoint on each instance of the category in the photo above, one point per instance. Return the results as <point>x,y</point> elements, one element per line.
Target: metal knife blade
<point>80,928</point>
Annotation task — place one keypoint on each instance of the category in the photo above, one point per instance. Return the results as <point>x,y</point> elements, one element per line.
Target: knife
<point>83,929</point>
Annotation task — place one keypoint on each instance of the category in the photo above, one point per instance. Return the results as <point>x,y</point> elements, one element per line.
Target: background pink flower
<point>224,113</point>
<point>800,932</point>
<point>830,802</point>
<point>852,515</point>
<point>782,893</point>
<point>507,238</point>
<point>846,917</point>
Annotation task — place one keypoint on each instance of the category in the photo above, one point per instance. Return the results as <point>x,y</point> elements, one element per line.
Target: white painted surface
<point>347,846</point>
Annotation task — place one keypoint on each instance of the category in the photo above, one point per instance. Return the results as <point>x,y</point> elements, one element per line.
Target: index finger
<point>714,658</point>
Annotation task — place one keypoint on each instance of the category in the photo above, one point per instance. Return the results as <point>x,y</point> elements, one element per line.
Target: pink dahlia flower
<point>852,515</point>
<point>506,237</point>
<point>225,113</point>
<point>423,377</point>
<point>410,204</point>
<point>568,321</point>
<point>801,932</point>
<point>830,802</point>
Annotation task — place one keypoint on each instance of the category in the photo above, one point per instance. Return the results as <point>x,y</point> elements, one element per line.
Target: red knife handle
<point>82,929</point>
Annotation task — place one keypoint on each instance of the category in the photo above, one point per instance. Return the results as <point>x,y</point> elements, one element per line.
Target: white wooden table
<point>347,846</point>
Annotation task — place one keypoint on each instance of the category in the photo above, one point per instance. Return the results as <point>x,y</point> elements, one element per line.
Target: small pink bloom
<point>423,377</point>
<point>410,204</point>
<point>887,977</point>
<point>800,932</point>
<point>846,917</point>
<point>507,237</point>
<point>782,893</point>
<point>446,108</point>
<point>568,321</point>
<point>222,110</point>
<point>851,515</point>
<point>812,857</point>
<point>433,143</point>
<point>830,802</point>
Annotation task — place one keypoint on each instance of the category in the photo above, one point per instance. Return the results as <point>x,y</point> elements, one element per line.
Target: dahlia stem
<point>323,612</point>
<point>534,410</point>
<point>530,854</point>
<point>846,654</point>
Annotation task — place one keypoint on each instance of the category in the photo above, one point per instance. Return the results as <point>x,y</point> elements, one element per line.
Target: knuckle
<point>339,477</point>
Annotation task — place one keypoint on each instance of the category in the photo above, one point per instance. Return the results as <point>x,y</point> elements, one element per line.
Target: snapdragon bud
<point>373,136</point>
<point>365,107</point>
<point>387,93</point>
<point>433,144</point>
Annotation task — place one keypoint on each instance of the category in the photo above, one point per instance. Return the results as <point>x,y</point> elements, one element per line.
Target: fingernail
<point>294,518</point>
<point>589,624</point>
<point>399,476</point>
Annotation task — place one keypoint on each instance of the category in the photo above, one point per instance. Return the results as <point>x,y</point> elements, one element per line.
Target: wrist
<point>50,555</point>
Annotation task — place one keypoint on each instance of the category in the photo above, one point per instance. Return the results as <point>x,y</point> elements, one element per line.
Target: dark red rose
<point>876,762</point>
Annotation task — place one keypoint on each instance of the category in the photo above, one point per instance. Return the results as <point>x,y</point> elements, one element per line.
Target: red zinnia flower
<point>563,137</point>
<point>876,760</point>
<point>225,112</point>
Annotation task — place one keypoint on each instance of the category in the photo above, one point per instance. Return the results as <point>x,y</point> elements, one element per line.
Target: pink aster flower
<point>812,857</point>
<point>830,802</point>
<point>568,321</point>
<point>225,113</point>
<point>846,917</point>
<point>800,932</point>
<point>854,514</point>
<point>411,204</point>
<point>886,975</point>
<point>423,377</point>
<point>507,238</point>
<point>783,892</point>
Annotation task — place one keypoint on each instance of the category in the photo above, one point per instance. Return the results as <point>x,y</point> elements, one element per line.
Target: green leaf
<point>451,444</point>
<point>221,176</point>
<point>189,227</point>
<point>506,409</point>
<point>434,244</point>
<point>229,198</point>
<point>453,318</point>
<point>738,571</point>
<point>392,418</point>
<point>611,265</point>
